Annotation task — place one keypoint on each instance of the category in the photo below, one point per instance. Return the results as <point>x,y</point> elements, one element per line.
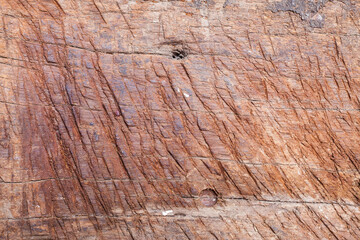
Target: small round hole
<point>208,197</point>
<point>178,54</point>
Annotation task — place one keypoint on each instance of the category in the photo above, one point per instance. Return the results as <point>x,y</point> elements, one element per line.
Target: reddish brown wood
<point>116,114</point>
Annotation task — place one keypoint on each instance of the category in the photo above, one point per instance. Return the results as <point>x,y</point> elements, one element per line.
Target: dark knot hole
<point>179,54</point>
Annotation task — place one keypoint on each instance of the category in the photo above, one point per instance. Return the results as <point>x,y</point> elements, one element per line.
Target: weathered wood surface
<point>105,136</point>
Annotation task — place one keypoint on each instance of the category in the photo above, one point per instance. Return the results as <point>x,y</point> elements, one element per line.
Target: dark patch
<point>179,54</point>
<point>306,9</point>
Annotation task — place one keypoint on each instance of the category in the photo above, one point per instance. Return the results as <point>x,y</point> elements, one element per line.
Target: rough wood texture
<point>116,114</point>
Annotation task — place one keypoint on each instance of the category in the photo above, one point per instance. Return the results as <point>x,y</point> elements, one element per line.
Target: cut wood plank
<point>115,115</point>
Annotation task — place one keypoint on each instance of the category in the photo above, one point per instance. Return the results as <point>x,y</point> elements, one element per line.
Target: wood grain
<point>105,134</point>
